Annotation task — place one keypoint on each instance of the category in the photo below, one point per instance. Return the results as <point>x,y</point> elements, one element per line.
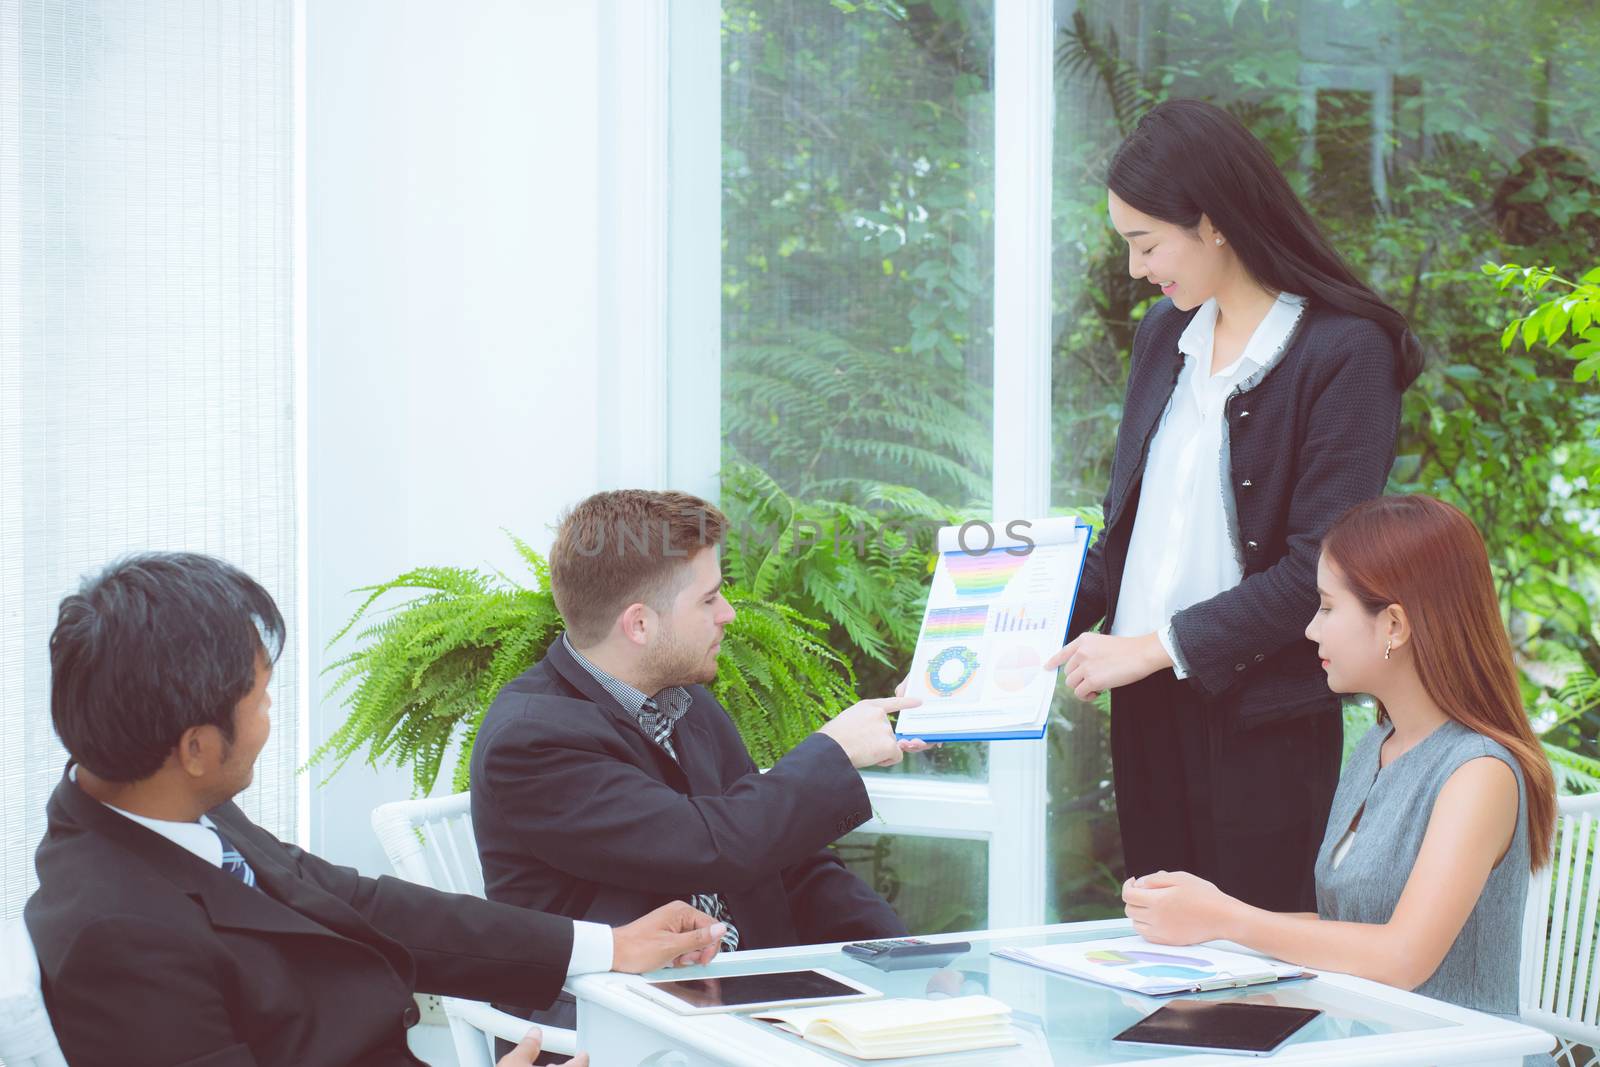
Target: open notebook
<point>886,1029</point>
<point>1155,970</point>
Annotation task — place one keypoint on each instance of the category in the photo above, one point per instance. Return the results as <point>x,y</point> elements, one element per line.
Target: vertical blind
<point>146,341</point>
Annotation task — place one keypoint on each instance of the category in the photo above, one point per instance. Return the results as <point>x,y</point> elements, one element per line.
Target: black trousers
<point>1244,808</point>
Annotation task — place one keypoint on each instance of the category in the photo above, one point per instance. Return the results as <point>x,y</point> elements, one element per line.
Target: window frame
<point>660,305</point>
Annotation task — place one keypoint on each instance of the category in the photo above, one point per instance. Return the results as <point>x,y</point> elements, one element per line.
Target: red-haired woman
<point>1446,805</point>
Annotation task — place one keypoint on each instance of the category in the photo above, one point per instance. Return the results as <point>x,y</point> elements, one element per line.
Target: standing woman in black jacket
<point>1263,401</point>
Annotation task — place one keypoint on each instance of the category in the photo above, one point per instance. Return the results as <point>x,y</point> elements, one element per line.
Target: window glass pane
<point>935,884</point>
<point>857,267</point>
<point>1424,146</point>
<point>1083,860</point>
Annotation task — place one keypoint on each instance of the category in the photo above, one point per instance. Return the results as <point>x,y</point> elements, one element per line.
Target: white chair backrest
<point>1560,989</point>
<point>26,1037</point>
<point>430,842</point>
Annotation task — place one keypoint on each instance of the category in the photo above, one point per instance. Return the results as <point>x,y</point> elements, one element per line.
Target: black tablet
<point>755,992</point>
<point>1219,1026</point>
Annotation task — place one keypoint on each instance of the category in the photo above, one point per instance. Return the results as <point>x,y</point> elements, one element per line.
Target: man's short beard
<point>671,663</point>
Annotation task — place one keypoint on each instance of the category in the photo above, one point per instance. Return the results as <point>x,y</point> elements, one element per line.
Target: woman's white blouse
<point>1185,545</point>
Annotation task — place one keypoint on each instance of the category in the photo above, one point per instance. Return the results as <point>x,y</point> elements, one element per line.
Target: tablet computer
<point>1227,1026</point>
<point>755,992</point>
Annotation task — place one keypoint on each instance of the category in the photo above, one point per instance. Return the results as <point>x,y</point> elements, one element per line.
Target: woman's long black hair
<point>1188,158</point>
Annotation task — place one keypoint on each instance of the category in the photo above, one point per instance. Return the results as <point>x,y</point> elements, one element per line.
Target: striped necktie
<point>659,725</point>
<point>233,862</point>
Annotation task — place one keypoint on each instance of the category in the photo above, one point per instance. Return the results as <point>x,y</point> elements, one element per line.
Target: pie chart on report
<point>1015,668</point>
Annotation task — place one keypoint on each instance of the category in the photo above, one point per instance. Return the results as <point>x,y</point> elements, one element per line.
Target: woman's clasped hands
<point>1178,908</point>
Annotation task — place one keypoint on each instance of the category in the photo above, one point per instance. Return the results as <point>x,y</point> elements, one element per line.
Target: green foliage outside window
<point>1487,151</point>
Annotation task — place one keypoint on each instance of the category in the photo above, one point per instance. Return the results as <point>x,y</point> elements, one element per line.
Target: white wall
<point>452,213</point>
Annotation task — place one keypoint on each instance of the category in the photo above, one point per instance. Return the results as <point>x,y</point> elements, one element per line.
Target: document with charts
<point>998,608</point>
<point>1155,970</point>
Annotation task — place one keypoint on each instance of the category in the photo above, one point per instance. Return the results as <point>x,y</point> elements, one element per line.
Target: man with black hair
<point>172,930</point>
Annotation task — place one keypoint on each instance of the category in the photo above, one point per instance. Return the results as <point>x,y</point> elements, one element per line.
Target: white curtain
<point>146,343</point>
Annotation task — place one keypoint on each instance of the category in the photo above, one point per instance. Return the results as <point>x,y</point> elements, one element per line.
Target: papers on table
<point>998,608</point>
<point>886,1029</point>
<point>1155,970</point>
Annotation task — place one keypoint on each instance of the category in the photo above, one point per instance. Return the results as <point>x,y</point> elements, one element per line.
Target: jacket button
<point>411,1015</point>
<point>1238,666</point>
<point>1260,657</point>
<point>1244,414</point>
<point>1252,546</point>
<point>1247,483</point>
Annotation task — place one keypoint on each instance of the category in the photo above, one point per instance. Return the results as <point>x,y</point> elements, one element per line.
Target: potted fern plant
<point>424,671</point>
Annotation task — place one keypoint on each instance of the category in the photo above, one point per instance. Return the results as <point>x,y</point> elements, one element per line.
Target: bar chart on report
<point>1035,615</point>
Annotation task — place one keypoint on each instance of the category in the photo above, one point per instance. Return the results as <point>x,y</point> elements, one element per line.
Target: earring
<point>1219,240</point>
<point>1388,648</point>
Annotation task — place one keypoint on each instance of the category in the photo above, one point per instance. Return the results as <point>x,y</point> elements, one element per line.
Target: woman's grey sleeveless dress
<point>1481,969</point>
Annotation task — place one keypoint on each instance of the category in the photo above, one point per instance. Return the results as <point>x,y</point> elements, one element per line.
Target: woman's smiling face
<point>1185,265</point>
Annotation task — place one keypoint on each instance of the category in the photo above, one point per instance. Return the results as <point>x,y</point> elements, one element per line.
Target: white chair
<point>1560,956</point>
<point>430,842</point>
<point>26,1038</point>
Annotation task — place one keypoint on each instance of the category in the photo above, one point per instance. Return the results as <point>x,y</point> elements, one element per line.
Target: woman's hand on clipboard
<point>1093,663</point>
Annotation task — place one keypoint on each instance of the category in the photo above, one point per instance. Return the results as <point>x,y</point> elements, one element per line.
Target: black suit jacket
<point>1314,437</point>
<point>150,955</point>
<point>578,813</point>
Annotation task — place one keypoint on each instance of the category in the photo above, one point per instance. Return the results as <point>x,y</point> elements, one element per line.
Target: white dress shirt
<point>591,942</point>
<point>1184,547</point>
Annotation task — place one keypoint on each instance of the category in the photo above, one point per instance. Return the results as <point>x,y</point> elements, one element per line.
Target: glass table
<point>1059,1021</point>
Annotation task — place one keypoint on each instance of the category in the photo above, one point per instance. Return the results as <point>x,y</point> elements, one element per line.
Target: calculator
<point>906,953</point>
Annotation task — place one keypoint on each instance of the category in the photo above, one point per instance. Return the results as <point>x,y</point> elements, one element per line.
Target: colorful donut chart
<point>955,653</point>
